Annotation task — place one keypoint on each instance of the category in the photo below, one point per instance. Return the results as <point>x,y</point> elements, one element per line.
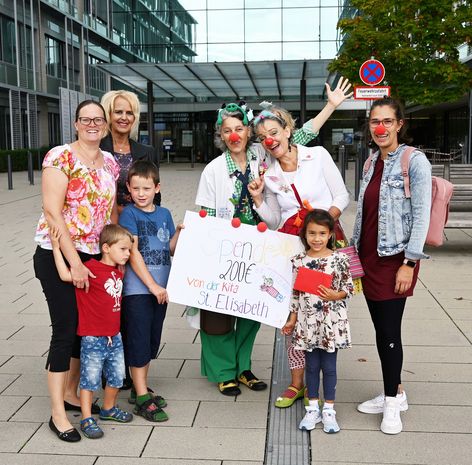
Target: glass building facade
<point>253,30</point>
<point>49,46</point>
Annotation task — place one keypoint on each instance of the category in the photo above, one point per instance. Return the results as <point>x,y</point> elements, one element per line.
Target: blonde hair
<point>108,103</point>
<point>113,233</point>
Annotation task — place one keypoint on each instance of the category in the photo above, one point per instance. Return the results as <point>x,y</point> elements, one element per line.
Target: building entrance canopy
<point>223,81</point>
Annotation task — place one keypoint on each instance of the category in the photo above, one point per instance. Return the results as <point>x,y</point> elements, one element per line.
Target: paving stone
<point>430,372</point>
<point>5,381</point>
<point>33,333</point>
<point>418,418</point>
<point>20,348</point>
<point>191,369</point>
<point>180,351</point>
<point>22,364</point>
<point>13,436</point>
<point>9,405</point>
<point>181,335</point>
<point>196,443</point>
<point>234,415</point>
<point>163,368</point>
<point>122,441</point>
<point>155,461</point>
<point>6,331</point>
<point>364,447</point>
<point>43,459</point>
<point>187,389</point>
<point>415,332</point>
<point>26,385</point>
<point>419,393</point>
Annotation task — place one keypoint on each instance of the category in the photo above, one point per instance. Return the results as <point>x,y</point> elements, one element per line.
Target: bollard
<point>30,169</point>
<point>9,172</point>
<point>342,161</point>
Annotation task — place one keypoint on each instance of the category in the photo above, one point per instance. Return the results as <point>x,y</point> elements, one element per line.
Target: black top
<point>138,152</point>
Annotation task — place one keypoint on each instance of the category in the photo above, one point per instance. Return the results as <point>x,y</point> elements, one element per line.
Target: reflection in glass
<point>301,50</point>
<point>266,3</point>
<point>263,25</point>
<point>301,24</point>
<point>223,52</point>
<point>263,51</point>
<point>328,49</point>
<point>328,24</point>
<point>218,4</point>
<point>225,26</point>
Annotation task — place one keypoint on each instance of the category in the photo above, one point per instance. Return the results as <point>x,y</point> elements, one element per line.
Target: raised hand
<point>340,93</point>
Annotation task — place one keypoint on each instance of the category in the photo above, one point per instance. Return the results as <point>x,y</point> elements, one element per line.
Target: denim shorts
<point>97,355</point>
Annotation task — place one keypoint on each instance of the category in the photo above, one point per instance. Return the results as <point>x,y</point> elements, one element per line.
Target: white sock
<point>313,404</point>
<point>328,406</point>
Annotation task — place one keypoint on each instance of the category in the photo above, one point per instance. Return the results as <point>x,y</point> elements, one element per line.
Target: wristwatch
<point>409,263</point>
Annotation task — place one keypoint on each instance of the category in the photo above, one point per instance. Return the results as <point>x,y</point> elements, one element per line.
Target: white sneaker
<point>311,418</point>
<point>391,422</point>
<point>376,405</point>
<point>330,425</point>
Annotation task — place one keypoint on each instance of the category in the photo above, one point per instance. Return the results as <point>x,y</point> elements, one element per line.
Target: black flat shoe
<point>76,408</point>
<point>71,435</point>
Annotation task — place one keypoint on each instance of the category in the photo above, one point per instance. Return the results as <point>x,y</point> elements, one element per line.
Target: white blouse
<point>317,180</point>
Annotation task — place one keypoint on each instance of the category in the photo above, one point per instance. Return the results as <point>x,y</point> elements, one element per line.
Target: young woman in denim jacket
<point>389,234</point>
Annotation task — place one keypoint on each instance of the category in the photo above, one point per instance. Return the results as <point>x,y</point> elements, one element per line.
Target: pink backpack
<point>441,194</point>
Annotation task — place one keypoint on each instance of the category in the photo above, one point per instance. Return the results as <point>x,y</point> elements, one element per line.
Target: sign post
<point>371,72</point>
<point>167,145</point>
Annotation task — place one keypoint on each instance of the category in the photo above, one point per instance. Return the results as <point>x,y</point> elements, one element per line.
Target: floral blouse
<point>89,199</point>
<point>322,324</point>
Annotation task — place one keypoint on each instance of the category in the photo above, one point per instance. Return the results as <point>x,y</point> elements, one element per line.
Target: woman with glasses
<point>299,179</point>
<point>78,194</point>
<point>389,233</point>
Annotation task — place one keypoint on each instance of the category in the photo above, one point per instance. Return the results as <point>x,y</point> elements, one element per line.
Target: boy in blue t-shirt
<point>145,297</point>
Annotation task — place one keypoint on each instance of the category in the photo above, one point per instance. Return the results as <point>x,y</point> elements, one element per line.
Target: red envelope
<point>308,280</point>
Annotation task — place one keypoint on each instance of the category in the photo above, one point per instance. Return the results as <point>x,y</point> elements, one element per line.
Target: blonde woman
<point>122,110</point>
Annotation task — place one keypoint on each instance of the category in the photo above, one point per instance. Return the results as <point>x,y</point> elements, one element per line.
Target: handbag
<point>355,263</point>
<point>294,224</point>
<point>216,324</point>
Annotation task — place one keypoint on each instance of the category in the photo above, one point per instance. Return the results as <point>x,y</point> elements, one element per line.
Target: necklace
<point>124,147</point>
<point>84,154</point>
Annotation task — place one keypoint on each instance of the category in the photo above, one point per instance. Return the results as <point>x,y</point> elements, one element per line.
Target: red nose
<point>234,137</point>
<point>380,130</point>
<point>268,142</point>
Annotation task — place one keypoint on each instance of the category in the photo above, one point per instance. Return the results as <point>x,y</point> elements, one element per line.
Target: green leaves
<point>417,43</point>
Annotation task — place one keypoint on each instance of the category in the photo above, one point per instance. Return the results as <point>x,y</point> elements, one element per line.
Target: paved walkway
<point>206,428</point>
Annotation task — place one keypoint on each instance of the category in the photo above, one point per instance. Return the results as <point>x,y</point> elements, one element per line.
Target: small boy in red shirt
<point>99,325</point>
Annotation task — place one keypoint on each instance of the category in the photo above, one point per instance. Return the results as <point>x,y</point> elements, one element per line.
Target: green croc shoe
<point>289,396</point>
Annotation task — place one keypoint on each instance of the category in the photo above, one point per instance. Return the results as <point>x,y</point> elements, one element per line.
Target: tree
<point>417,42</point>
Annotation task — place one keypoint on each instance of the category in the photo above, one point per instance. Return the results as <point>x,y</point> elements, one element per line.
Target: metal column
<point>150,115</point>
<point>302,101</point>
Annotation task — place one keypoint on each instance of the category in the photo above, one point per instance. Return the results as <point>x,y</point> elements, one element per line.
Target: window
<point>55,58</point>
<point>7,40</point>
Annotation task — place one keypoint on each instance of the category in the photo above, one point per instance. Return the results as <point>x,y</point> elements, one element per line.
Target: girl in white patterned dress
<point>319,322</point>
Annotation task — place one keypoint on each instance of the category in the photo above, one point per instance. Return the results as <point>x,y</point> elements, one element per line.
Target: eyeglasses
<point>98,121</point>
<point>387,122</point>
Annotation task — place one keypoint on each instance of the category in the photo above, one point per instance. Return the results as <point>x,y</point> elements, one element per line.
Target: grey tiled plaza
<point>206,428</point>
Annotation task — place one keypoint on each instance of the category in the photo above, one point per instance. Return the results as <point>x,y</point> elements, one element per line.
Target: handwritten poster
<point>237,271</point>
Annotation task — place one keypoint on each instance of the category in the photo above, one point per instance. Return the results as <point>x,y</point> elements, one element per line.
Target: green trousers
<point>225,356</point>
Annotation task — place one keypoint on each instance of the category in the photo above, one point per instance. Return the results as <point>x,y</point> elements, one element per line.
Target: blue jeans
<point>316,361</point>
<point>97,354</point>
